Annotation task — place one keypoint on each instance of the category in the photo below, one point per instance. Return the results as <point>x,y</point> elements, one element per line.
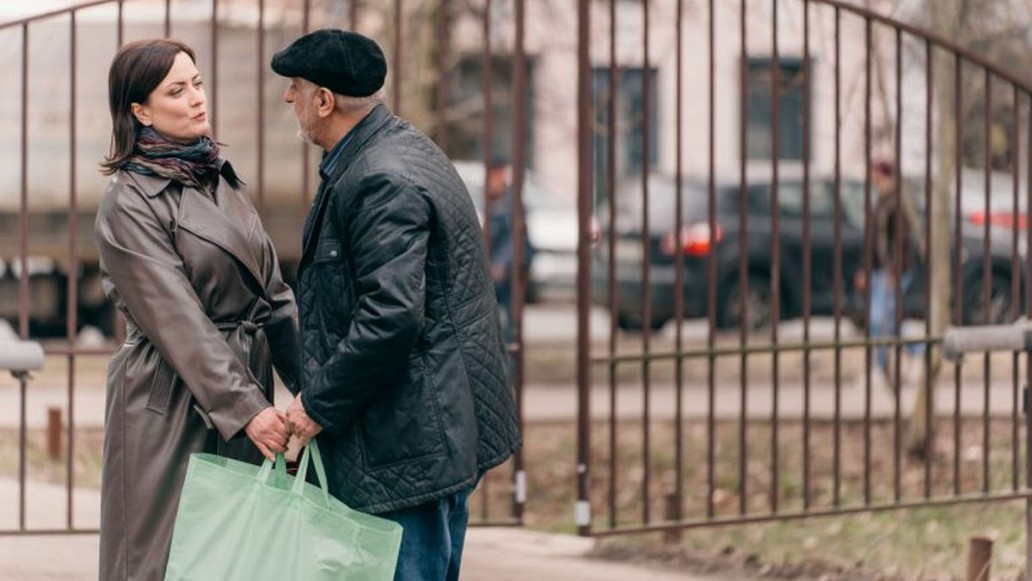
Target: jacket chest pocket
<point>332,278</point>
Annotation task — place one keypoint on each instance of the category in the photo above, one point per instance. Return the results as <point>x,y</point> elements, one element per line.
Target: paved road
<point>505,554</point>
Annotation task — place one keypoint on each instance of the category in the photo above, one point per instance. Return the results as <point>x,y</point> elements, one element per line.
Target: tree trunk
<point>945,18</point>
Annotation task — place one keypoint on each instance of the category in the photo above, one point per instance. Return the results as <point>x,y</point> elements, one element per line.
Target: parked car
<point>551,229</point>
<point>697,245</point>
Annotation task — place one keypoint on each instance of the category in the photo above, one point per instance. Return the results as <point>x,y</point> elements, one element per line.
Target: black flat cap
<point>344,62</point>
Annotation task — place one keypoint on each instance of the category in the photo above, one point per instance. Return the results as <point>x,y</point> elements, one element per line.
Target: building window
<point>760,110</point>
<point>466,130</point>
<point>630,122</point>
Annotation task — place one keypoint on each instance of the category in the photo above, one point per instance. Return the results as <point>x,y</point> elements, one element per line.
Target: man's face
<point>497,181</point>
<point>300,94</point>
<point>883,183</point>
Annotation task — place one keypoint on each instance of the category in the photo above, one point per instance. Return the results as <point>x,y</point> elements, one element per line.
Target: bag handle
<point>311,453</point>
<point>279,468</point>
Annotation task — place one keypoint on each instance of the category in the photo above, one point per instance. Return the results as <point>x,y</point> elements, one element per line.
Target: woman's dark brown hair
<point>138,69</point>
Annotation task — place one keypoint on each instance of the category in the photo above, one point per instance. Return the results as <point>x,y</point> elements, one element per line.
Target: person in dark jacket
<point>403,368</point>
<point>186,261</point>
<point>499,209</point>
<point>891,232</point>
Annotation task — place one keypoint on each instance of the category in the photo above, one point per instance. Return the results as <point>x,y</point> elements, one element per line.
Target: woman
<point>187,262</point>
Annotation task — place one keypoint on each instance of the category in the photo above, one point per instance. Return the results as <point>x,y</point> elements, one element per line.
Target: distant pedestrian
<point>890,226</point>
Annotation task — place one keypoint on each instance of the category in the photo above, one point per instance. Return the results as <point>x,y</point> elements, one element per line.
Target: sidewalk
<point>495,554</point>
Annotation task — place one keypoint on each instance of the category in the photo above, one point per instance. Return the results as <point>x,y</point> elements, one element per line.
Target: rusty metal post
<point>979,558</point>
<point>672,514</point>
<point>584,187</point>
<point>54,428</point>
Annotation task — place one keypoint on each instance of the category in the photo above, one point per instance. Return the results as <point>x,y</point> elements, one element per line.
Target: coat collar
<point>228,225</point>
<point>369,126</point>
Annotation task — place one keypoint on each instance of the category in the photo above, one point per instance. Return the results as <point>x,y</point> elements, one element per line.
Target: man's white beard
<point>302,134</point>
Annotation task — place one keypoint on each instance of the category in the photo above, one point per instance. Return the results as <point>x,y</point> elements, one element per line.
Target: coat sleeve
<point>387,238</point>
<point>149,277</point>
<point>282,327</point>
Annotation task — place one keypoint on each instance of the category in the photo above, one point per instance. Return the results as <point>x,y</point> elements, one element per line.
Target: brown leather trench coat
<point>207,315</point>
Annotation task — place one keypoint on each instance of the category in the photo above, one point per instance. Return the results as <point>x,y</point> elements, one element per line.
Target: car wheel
<point>633,322</point>
<point>759,303</point>
<point>999,304</point>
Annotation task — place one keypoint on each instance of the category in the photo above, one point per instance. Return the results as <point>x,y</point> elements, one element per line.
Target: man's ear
<point>141,114</point>
<point>324,102</point>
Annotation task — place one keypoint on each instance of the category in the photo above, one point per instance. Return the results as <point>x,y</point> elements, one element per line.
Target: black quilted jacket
<point>403,362</point>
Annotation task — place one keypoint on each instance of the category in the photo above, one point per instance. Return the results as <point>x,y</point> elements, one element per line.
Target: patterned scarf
<point>195,165</point>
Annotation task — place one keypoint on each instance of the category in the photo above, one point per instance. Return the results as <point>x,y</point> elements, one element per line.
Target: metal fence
<point>770,408</point>
<point>64,54</point>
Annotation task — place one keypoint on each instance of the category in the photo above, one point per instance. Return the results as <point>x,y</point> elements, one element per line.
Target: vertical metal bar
<point>1028,356</point>
<point>443,47</point>
<point>213,110</point>
<point>120,32</point>
<point>839,291</point>
<point>929,268</point>
<point>807,254</point>
<point>898,268</point>
<point>23,261</point>
<point>743,270</point>
<point>711,263</point>
<point>519,227</point>
<point>1015,308</point>
<point>987,272</point>
<point>584,187</point>
<point>73,265</point>
<point>775,268</point>
<point>958,290</point>
<point>168,18</point>
<point>353,14</point>
<point>678,502</point>
<point>868,251</point>
<point>396,57</point>
<point>646,261</point>
<point>306,150</point>
<point>260,129</point>
<point>486,89</point>
<point>614,289</point>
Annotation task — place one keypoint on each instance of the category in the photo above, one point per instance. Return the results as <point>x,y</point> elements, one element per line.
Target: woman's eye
<point>176,92</point>
<point>198,83</point>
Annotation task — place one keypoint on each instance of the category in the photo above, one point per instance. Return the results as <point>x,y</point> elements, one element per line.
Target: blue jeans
<point>883,314</point>
<point>431,546</point>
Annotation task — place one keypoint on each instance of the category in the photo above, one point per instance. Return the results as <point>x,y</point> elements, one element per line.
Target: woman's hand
<point>268,431</point>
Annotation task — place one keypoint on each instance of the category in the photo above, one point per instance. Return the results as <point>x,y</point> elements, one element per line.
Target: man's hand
<point>268,431</point>
<point>298,422</point>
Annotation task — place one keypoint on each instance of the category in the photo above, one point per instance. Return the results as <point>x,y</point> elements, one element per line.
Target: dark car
<point>697,244</point>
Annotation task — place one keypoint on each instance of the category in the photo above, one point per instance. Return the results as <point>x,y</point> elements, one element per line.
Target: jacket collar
<point>359,135</point>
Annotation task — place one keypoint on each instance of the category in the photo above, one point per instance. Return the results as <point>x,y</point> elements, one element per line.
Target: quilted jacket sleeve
<point>388,233</point>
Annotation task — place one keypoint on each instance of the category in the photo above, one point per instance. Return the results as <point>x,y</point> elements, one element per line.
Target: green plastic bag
<point>239,522</point>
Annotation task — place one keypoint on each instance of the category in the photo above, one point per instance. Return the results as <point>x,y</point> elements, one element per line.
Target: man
<point>403,368</point>
<point>499,210</point>
<point>890,222</point>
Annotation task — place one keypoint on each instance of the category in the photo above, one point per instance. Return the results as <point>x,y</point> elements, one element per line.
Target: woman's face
<point>177,108</point>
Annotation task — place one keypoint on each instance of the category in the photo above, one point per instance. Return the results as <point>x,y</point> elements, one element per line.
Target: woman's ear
<point>141,114</point>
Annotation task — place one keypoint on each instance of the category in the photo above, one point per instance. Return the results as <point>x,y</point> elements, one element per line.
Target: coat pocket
<point>163,381</point>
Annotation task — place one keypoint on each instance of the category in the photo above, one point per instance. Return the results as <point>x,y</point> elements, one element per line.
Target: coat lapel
<point>228,226</point>
<point>365,130</point>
